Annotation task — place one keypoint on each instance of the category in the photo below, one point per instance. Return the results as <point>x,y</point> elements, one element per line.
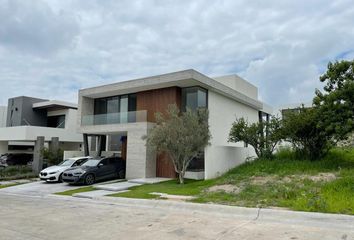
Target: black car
<point>95,170</point>
<point>16,159</point>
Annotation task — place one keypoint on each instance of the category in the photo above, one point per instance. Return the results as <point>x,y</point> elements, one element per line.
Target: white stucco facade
<point>221,155</point>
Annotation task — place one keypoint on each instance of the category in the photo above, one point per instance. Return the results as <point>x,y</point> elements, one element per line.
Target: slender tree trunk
<point>181,179</point>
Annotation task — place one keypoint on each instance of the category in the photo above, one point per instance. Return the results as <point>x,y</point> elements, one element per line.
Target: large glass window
<point>194,97</point>
<point>114,109</point>
<point>124,109</point>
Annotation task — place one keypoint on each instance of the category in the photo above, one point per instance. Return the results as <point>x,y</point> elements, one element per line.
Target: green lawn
<point>190,188</point>
<point>76,190</point>
<point>323,186</point>
<point>9,185</point>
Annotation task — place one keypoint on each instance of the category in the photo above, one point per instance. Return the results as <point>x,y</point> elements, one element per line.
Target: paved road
<point>48,217</point>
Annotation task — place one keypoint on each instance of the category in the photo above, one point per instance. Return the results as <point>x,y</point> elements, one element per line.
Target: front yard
<point>284,182</point>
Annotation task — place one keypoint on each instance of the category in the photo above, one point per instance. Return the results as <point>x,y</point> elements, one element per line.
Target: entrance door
<point>164,166</point>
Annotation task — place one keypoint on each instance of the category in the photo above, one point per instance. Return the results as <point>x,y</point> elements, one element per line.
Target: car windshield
<point>67,162</point>
<point>91,162</point>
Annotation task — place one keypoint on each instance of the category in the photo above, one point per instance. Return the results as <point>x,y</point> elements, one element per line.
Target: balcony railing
<point>114,118</point>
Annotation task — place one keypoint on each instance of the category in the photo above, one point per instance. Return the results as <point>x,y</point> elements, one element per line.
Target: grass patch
<point>190,188</point>
<point>16,172</point>
<point>301,193</point>
<point>8,185</point>
<point>77,190</point>
<point>291,183</point>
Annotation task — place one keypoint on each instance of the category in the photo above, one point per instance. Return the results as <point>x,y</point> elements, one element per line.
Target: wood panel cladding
<point>157,100</point>
<point>164,166</point>
<point>153,101</point>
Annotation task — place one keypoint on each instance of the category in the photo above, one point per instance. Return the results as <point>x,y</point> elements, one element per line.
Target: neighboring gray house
<point>117,115</point>
<point>28,118</point>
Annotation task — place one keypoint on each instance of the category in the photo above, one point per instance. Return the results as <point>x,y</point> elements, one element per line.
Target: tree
<point>336,103</point>
<point>181,135</point>
<point>262,136</point>
<point>301,128</point>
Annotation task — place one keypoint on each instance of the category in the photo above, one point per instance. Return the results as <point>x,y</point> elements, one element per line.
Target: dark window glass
<point>132,102</point>
<point>56,121</point>
<point>197,163</point>
<point>132,107</point>
<point>108,109</point>
<point>100,106</point>
<point>193,98</point>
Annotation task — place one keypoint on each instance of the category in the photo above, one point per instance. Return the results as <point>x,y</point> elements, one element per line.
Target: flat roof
<point>55,104</point>
<point>185,78</point>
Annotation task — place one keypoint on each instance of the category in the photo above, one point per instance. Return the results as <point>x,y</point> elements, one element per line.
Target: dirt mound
<point>228,188</point>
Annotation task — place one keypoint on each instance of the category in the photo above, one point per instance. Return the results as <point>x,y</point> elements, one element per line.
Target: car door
<point>103,169</point>
<point>113,170</point>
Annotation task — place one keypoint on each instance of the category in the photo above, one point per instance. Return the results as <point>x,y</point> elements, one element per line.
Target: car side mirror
<point>100,165</point>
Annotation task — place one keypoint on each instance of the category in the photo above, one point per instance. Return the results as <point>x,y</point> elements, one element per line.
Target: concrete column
<point>4,147</point>
<point>54,145</point>
<point>86,145</point>
<point>37,155</point>
<point>141,162</point>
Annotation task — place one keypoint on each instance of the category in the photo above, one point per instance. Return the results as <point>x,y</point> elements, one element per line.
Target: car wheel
<point>60,179</point>
<point>121,174</point>
<point>89,179</point>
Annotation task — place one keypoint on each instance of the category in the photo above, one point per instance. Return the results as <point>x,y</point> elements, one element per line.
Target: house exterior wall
<point>21,113</point>
<point>237,83</point>
<point>221,156</point>
<point>3,116</point>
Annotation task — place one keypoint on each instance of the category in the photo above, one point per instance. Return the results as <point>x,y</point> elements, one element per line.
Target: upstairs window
<point>56,121</point>
<point>194,97</point>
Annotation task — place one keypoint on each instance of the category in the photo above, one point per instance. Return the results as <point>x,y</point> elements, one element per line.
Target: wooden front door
<point>164,166</point>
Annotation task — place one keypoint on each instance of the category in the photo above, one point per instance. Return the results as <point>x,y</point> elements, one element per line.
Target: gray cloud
<point>56,47</point>
<point>32,27</point>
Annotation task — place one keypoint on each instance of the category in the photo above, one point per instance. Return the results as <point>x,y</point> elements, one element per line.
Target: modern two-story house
<point>117,116</point>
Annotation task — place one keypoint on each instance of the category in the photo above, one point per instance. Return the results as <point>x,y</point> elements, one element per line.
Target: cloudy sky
<point>50,49</point>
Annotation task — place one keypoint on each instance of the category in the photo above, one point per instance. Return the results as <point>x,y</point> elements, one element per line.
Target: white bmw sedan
<point>54,173</point>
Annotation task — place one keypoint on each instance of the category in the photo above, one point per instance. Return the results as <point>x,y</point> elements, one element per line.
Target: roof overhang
<point>186,78</point>
<point>54,105</point>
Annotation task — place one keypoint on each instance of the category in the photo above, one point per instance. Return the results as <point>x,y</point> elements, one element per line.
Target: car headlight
<point>54,172</point>
<point>79,173</point>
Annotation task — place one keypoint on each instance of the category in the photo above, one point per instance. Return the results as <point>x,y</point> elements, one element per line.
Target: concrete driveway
<point>59,217</point>
<point>39,188</point>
